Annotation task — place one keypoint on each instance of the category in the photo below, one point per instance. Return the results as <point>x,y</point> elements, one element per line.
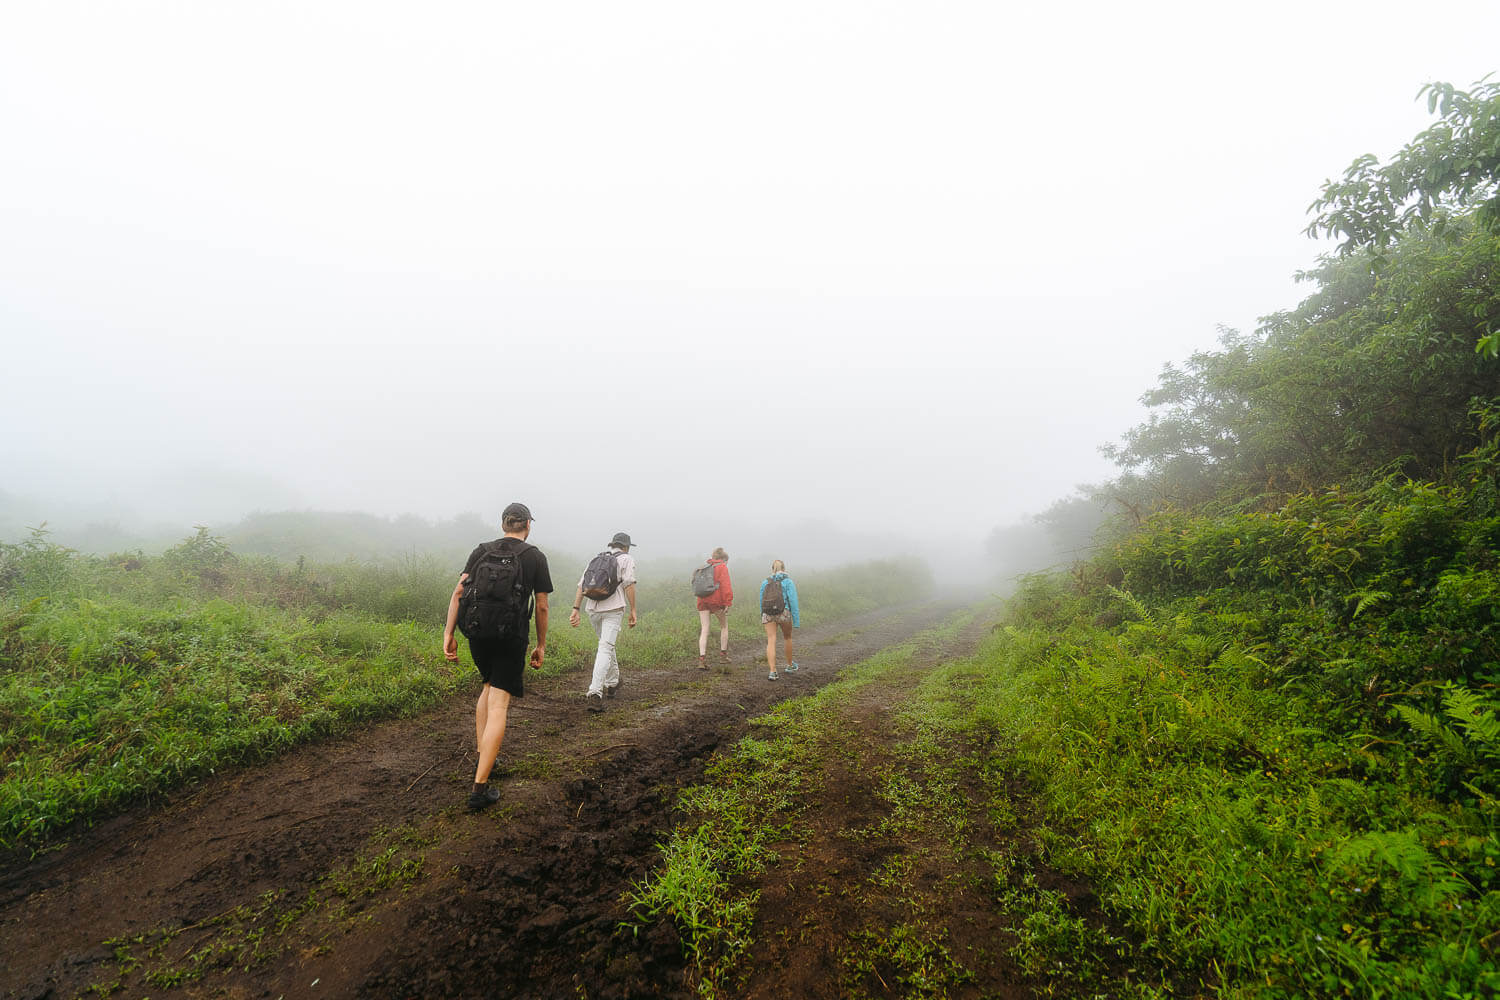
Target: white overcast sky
<point>644,264</point>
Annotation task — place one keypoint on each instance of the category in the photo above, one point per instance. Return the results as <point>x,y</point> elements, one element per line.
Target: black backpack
<point>602,576</point>
<point>703,580</point>
<point>773,598</point>
<point>495,604</point>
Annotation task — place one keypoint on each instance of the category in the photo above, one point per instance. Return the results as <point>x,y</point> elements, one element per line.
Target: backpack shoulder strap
<point>519,548</point>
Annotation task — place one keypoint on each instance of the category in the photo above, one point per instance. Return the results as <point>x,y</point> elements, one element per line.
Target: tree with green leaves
<point>1372,371</point>
<point>1449,172</point>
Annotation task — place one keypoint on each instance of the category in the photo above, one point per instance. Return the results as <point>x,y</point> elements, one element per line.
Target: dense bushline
<point>1356,596</point>
<point>126,675</point>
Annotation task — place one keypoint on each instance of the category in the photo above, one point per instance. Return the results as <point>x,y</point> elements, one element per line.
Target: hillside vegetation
<point>1264,721</point>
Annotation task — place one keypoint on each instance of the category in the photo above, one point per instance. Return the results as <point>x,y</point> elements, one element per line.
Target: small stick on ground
<point>420,777</point>
<point>441,760</point>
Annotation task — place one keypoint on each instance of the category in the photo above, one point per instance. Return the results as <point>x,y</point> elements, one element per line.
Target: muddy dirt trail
<point>349,868</point>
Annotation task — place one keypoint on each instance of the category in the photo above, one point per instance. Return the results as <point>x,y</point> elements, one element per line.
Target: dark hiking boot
<point>483,796</point>
<point>595,701</point>
<point>609,692</point>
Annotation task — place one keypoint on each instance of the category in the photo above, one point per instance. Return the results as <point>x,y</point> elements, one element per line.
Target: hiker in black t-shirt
<point>499,650</point>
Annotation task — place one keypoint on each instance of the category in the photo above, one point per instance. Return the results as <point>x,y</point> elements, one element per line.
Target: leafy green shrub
<point>1212,763</point>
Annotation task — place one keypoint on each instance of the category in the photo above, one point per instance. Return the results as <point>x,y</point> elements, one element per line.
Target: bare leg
<point>703,617</point>
<point>481,715</point>
<point>771,645</point>
<point>786,633</point>
<point>494,732</point>
<point>723,631</point>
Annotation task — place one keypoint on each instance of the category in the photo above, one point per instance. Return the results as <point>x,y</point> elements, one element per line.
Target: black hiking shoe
<point>595,701</point>
<point>609,692</point>
<point>482,797</point>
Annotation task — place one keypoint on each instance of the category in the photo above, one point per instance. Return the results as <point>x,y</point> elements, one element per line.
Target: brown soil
<point>851,880</point>
<point>525,900</point>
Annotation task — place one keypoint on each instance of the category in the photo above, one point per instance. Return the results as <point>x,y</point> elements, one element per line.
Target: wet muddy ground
<point>349,867</point>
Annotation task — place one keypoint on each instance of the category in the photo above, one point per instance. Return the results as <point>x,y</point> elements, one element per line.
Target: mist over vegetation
<point>897,327</point>
<point>1246,686</point>
<point>335,536</point>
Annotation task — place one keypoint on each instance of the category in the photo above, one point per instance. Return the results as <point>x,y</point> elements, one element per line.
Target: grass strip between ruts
<point>740,819</point>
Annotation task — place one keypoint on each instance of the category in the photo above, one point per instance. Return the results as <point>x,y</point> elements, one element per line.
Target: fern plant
<point>1465,737</point>
<point>1427,879</point>
<point>1469,735</point>
<point>1134,605</point>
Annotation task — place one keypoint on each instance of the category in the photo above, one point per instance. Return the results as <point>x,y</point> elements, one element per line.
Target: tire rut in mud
<point>544,919</point>
<point>545,916</point>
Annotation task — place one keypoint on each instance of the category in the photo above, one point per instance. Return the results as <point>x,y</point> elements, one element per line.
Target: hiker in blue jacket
<point>778,609</point>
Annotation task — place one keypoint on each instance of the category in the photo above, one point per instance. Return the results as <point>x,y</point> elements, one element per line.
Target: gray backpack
<point>703,580</point>
<point>602,577</point>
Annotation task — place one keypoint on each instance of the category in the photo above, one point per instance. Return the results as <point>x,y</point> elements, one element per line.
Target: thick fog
<point>819,280</point>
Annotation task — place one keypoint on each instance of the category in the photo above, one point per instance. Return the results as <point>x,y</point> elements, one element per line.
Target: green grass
<point>1260,831</point>
<point>917,957</point>
<point>947,797</point>
<point>126,676</point>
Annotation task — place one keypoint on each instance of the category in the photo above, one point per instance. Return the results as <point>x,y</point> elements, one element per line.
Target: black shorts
<point>501,663</point>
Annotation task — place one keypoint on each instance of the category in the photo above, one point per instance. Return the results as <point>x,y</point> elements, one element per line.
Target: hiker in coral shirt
<point>715,602</point>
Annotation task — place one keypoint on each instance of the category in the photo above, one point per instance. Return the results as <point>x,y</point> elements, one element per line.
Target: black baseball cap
<point>621,539</point>
<point>517,512</point>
